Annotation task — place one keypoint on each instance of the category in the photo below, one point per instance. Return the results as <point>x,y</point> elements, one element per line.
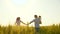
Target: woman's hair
<point>18,18</point>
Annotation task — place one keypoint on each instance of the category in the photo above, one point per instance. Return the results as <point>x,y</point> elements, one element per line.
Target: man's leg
<point>37,30</point>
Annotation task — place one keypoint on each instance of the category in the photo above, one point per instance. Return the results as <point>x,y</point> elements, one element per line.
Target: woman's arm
<point>22,22</point>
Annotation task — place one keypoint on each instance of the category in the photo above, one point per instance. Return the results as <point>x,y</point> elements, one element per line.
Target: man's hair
<point>35,16</point>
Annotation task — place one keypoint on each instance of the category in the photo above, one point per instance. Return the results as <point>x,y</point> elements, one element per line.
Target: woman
<point>18,21</point>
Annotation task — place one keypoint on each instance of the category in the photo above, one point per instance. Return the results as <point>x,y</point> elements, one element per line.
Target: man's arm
<point>31,21</point>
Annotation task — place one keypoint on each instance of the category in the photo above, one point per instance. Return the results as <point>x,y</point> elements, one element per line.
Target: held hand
<point>27,24</point>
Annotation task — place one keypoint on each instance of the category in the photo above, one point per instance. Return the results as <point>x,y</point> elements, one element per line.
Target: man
<point>37,22</point>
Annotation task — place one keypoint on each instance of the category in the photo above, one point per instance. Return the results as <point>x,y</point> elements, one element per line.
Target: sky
<point>26,9</point>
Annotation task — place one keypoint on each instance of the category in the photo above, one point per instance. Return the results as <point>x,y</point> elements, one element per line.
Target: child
<point>18,21</point>
<point>40,20</point>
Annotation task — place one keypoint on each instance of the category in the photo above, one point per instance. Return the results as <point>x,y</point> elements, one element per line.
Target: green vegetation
<point>54,29</point>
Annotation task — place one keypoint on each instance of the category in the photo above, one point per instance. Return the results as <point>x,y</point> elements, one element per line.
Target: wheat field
<point>53,29</point>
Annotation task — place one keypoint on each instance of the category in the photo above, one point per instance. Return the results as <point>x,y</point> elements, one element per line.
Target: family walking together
<point>36,21</point>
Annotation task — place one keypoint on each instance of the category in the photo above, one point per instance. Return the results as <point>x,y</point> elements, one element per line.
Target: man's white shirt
<point>36,21</point>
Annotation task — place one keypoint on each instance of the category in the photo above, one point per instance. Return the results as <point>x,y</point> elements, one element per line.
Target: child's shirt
<point>40,21</point>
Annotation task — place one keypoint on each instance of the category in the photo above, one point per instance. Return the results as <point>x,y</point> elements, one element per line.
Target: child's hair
<point>39,16</point>
<point>18,18</point>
